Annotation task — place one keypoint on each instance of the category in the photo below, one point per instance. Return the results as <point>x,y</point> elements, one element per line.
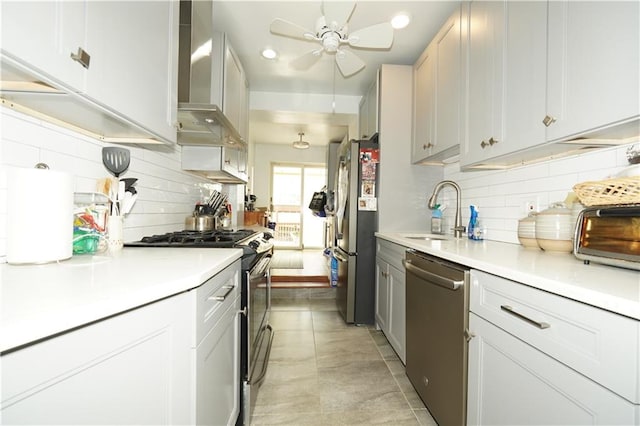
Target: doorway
<point>292,186</point>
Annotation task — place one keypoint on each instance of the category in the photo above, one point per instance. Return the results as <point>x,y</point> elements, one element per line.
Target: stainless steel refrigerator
<point>356,221</point>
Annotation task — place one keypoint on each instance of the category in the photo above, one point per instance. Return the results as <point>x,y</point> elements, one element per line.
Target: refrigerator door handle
<point>342,255</point>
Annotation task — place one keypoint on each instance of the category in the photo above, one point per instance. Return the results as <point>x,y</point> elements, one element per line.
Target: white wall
<point>166,193</point>
<point>266,154</point>
<point>501,195</point>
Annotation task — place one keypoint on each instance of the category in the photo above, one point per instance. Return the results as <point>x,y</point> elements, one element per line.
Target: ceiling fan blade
<point>348,63</point>
<point>337,13</point>
<point>379,36</point>
<point>305,61</point>
<point>289,29</point>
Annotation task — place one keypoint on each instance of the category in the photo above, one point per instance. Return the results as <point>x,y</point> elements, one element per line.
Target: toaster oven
<point>609,235</point>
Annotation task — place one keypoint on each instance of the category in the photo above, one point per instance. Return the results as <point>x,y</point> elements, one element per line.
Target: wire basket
<point>623,190</point>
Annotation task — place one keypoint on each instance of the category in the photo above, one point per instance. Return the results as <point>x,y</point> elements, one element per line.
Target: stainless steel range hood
<point>201,118</point>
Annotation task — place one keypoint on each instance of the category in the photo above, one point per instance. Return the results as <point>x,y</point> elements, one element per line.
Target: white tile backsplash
<point>166,193</point>
<point>501,195</point>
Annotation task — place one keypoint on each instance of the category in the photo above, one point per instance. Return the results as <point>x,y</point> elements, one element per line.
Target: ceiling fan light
<point>400,21</point>
<point>300,144</point>
<point>269,53</point>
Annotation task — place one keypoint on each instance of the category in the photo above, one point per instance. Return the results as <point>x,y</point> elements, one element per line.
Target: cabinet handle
<point>427,145</point>
<point>508,309</point>
<point>483,144</point>
<point>548,120</point>
<point>469,334</point>
<point>227,161</point>
<point>220,297</point>
<point>82,57</point>
<point>492,141</point>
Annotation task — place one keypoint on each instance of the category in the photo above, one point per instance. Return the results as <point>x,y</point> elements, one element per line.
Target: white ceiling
<point>247,26</point>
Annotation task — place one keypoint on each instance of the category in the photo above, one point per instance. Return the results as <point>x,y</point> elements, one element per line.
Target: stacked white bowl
<point>527,231</point>
<point>554,229</point>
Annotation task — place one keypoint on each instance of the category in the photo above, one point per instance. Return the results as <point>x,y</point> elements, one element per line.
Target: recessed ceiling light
<point>400,21</point>
<point>269,53</point>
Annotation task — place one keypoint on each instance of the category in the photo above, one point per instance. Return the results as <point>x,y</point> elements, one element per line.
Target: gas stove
<point>254,244</point>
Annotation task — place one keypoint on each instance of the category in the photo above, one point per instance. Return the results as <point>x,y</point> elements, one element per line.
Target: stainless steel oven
<point>256,344</point>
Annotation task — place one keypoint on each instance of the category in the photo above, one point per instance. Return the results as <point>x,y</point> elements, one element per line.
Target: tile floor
<point>325,372</point>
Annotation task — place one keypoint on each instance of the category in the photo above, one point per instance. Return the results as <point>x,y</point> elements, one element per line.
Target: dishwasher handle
<point>447,283</point>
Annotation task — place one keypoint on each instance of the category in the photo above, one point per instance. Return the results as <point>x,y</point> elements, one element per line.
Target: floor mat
<point>287,259</point>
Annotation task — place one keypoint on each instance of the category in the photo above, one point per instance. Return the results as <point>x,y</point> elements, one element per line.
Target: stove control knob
<point>254,244</point>
<point>267,236</point>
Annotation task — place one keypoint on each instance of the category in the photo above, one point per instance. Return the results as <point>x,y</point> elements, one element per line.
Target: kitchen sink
<point>426,237</point>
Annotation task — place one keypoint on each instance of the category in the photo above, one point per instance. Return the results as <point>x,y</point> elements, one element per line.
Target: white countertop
<point>37,301</point>
<point>607,287</point>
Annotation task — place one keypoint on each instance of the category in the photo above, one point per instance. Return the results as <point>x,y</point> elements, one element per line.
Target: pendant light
<point>301,144</point>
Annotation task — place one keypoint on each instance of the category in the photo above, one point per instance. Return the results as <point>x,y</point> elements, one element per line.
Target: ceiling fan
<point>332,32</point>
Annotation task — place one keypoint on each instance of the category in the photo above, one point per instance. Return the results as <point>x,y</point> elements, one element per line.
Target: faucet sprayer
<point>458,228</point>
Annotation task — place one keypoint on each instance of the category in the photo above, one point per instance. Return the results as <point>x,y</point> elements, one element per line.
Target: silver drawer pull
<point>539,324</point>
<point>219,298</point>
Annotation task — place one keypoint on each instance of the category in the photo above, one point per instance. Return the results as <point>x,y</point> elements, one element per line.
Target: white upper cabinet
<point>423,106</point>
<point>546,72</point>
<point>120,58</point>
<point>234,89</point>
<point>507,48</point>
<point>133,70</point>
<point>593,67</point>
<point>28,30</point>
<point>369,110</point>
<point>438,95</point>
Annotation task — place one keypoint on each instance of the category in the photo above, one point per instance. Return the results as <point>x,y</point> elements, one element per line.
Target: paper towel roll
<point>39,215</point>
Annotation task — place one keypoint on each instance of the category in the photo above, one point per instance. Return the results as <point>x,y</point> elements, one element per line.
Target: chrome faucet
<point>458,228</point>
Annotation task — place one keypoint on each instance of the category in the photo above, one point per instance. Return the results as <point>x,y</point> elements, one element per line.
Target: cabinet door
<point>397,311</point>
<point>525,70</point>
<point>218,366</point>
<point>448,86</point>
<point>43,35</point>
<point>485,80</point>
<point>593,63</point>
<point>233,98</point>
<point>382,294</point>
<point>373,102</point>
<point>512,383</point>
<point>133,368</point>
<point>423,106</point>
<point>133,60</point>
<point>363,116</point>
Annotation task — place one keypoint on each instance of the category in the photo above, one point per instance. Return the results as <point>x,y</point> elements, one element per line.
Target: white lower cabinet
<point>538,358</point>
<point>511,382</point>
<point>217,352</point>
<point>390,295</point>
<point>129,369</point>
<point>175,361</point>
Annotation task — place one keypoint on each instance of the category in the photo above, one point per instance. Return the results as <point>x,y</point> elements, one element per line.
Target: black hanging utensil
<point>116,159</point>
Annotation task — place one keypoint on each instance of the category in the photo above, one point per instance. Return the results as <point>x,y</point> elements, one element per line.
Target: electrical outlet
<point>530,207</point>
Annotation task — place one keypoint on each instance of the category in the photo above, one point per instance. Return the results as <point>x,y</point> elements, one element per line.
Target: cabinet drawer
<point>214,297</point>
<point>391,253</point>
<point>599,344</point>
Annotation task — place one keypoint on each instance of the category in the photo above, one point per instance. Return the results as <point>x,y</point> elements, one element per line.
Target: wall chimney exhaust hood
<point>203,80</point>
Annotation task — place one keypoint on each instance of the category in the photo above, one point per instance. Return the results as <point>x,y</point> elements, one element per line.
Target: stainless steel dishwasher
<point>436,335</point>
